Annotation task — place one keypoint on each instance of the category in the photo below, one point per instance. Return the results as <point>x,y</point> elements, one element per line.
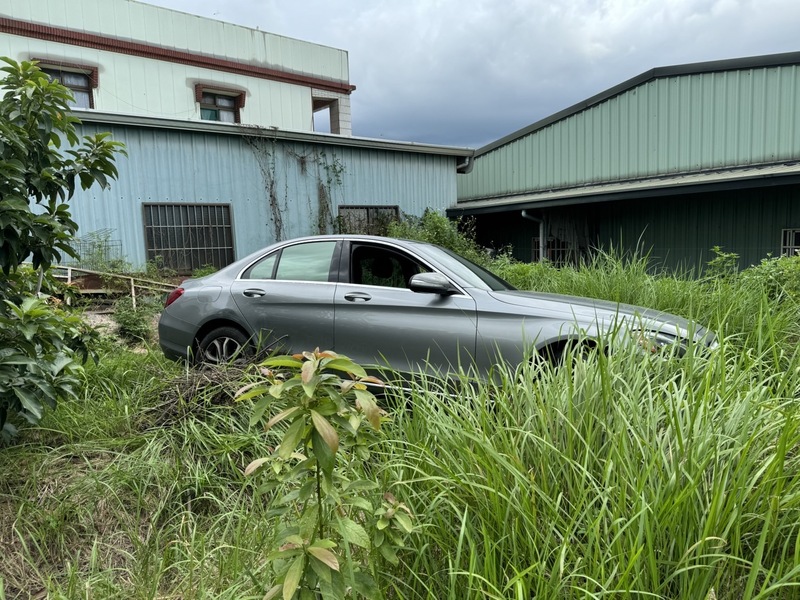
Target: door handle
<point>253,293</point>
<point>357,297</point>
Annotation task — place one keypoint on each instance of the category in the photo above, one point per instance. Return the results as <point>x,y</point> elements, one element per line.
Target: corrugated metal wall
<point>276,189</point>
<point>668,125</point>
<point>676,231</point>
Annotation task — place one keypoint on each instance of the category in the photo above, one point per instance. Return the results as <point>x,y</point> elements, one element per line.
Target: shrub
<point>431,227</point>
<point>38,342</point>
<point>135,324</point>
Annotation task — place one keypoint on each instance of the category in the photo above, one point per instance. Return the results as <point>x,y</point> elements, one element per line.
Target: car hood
<point>590,310</point>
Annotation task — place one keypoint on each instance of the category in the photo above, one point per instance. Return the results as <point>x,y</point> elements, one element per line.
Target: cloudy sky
<point>465,73</point>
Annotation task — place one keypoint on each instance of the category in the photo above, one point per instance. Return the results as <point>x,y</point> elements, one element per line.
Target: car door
<point>287,296</point>
<point>379,320</point>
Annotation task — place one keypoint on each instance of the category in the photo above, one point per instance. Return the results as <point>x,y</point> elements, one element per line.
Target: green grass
<point>622,476</point>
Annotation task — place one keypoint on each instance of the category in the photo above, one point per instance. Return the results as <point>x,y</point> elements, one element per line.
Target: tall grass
<point>621,476</point>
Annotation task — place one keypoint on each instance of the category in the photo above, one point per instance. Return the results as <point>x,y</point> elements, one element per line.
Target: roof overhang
<point>687,183</point>
<point>463,156</point>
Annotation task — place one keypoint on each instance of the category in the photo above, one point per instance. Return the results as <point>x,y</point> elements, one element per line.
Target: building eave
<point>685,183</point>
<point>463,155</point>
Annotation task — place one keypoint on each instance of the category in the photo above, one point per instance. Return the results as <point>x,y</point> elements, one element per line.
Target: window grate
<point>791,242</point>
<point>557,251</point>
<point>369,220</point>
<point>185,237</point>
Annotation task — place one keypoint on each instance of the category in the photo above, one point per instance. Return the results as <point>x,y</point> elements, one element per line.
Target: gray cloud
<point>466,73</point>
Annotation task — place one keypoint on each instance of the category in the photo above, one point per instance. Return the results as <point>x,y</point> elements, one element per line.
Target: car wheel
<point>222,345</point>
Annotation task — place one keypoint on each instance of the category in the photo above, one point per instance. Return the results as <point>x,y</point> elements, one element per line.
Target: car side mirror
<point>431,283</point>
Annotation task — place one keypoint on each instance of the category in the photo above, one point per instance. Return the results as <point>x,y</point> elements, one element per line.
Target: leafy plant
<point>322,545</point>
<point>435,228</point>
<point>134,324</point>
<point>723,265</point>
<point>204,270</point>
<point>37,180</point>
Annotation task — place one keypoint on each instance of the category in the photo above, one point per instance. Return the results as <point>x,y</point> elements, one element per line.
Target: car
<point>407,305</point>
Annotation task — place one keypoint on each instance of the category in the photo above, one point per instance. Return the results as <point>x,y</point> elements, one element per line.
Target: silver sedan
<point>404,304</point>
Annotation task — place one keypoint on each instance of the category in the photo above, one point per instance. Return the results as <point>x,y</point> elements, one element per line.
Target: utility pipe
<point>542,240</point>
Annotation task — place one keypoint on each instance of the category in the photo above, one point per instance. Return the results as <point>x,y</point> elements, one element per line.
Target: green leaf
<point>292,437</point>
<point>325,556</point>
<point>404,521</point>
<point>365,585</point>
<point>366,402</point>
<point>273,592</point>
<point>283,361</point>
<point>389,553</point>
<point>254,466</point>
<point>325,429</point>
<point>323,453</point>
<point>353,532</point>
<point>293,577</point>
<point>345,365</point>
<point>284,414</point>
<point>258,410</point>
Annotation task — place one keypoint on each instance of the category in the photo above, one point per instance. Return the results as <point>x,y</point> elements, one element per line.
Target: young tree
<point>39,343</point>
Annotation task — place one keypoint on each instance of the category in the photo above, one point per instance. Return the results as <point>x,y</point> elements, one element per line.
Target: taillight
<point>173,295</point>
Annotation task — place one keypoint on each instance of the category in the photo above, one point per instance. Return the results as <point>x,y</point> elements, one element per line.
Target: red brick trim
<point>99,42</point>
<point>199,88</point>
<point>92,72</point>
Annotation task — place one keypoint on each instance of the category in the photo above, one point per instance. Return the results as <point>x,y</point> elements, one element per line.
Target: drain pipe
<point>542,240</point>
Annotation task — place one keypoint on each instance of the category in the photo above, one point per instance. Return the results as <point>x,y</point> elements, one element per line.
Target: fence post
<point>133,294</point>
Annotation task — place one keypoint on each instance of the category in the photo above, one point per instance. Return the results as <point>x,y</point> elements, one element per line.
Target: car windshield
<point>475,275</point>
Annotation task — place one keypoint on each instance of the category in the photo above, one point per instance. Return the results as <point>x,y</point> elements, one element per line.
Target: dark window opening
<point>372,265</point>
<point>185,237</point>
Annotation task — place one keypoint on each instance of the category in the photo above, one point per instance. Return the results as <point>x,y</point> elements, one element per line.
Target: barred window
<point>369,220</point>
<point>791,242</point>
<point>185,237</point>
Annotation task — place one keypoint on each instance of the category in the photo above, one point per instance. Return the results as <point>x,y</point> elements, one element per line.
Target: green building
<point>672,162</point>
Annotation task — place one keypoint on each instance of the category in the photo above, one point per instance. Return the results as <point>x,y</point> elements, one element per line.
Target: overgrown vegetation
<point>622,476</point>
<point>40,345</point>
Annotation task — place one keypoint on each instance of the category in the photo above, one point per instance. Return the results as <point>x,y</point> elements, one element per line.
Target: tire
<point>223,345</point>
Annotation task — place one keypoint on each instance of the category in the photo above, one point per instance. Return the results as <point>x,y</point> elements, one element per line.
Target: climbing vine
<point>264,151</point>
<point>327,170</point>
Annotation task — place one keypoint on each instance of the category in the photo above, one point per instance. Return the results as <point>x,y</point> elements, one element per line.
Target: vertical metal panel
<point>308,182</point>
<point>668,125</point>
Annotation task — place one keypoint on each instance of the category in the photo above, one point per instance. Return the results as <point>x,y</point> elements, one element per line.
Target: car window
<point>306,262</point>
<point>263,269</point>
<point>376,265</point>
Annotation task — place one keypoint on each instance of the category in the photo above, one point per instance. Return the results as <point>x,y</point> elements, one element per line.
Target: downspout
<point>542,241</point>
<point>466,166</point>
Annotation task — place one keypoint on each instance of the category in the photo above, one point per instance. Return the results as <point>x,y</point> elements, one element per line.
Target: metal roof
<point>750,62</point>
<point>736,178</point>
<point>92,116</point>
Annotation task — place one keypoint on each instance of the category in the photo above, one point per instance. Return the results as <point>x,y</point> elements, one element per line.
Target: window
<point>80,79</point>
<point>185,237</point>
<point>301,262</point>
<point>373,265</point>
<point>791,242</point>
<point>556,251</point>
<point>217,104</point>
<point>369,220</point>
<point>306,262</point>
<point>263,269</point>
